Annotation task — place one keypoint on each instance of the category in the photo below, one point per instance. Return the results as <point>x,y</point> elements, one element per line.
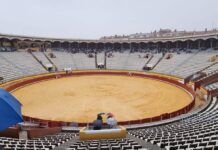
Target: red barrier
<point>206,81</point>
<point>134,121</point>
<point>124,123</point>
<point>146,120</point>
<point>156,118</point>
<point>165,116</point>
<point>123,73</point>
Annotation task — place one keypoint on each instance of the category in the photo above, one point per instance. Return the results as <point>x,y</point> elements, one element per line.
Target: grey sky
<point>96,18</point>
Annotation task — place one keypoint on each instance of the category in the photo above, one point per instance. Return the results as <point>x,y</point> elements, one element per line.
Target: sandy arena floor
<point>80,98</point>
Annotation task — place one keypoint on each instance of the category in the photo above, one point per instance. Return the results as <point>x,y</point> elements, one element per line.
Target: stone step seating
<point>196,132</point>
<point>18,64</point>
<point>106,144</point>
<point>43,143</point>
<point>168,65</point>
<point>194,64</point>
<point>212,86</point>
<point>83,62</point>
<point>41,57</point>
<point>211,69</point>
<point>155,58</point>
<point>118,61</point>
<point>135,61</point>
<point>63,60</point>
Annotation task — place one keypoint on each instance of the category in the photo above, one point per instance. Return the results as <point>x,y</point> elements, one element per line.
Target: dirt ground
<point>80,98</point>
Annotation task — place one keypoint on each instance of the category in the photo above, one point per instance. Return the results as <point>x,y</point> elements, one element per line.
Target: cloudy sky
<point>92,19</point>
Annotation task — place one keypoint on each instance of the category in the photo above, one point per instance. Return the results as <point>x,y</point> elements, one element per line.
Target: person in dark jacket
<point>98,123</point>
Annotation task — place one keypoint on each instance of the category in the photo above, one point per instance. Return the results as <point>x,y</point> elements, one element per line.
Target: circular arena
<point>109,75</point>
<point>78,98</point>
<point>156,92</point>
<point>162,94</point>
<point>134,97</point>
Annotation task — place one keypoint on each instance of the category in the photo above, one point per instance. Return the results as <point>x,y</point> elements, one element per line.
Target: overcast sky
<point>92,19</point>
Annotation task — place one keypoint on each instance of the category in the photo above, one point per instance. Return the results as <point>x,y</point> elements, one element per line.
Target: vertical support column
<point>96,61</point>
<point>143,46</point>
<point>167,45</point>
<point>191,45</point>
<point>49,45</point>
<point>28,44</point>
<point>15,44</point>
<point>146,46</point>
<point>177,44</point>
<point>11,43</point>
<point>104,47</point>
<point>157,47</point>
<point>19,44</point>
<point>59,45</point>
<point>3,42</point>
<point>41,46</point>
<point>130,46</point>
<point>211,43</point>
<point>139,47</point>
<point>68,46</point>
<point>95,47</point>
<point>199,44</point>
<point>187,45</point>
<point>105,60</point>
<point>216,43</point>
<point>45,46</point>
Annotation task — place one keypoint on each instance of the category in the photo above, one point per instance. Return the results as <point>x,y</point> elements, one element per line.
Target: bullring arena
<point>162,95</point>
<point>79,98</point>
<point>106,75</point>
<point>76,97</point>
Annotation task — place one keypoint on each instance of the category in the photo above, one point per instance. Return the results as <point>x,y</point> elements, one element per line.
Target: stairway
<point>56,68</point>
<point>149,59</point>
<point>101,58</point>
<point>38,61</point>
<point>158,61</point>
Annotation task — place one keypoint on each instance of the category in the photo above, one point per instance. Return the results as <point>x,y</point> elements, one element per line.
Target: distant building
<point>159,34</point>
